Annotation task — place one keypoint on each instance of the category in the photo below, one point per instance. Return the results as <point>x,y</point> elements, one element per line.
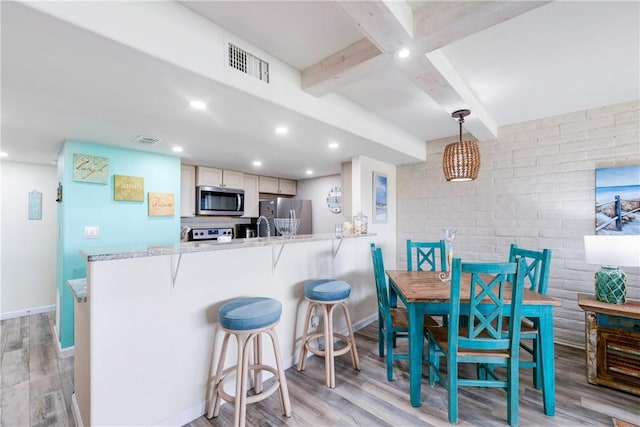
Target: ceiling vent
<point>146,140</point>
<point>249,64</point>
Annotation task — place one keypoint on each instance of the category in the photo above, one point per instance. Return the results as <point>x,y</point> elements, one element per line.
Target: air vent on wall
<point>146,140</point>
<point>249,64</point>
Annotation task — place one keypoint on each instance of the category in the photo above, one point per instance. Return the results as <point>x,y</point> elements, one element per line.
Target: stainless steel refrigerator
<point>281,207</point>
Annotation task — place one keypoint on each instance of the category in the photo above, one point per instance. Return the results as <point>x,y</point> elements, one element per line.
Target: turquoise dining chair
<point>426,253</point>
<point>536,278</point>
<point>482,342</point>
<point>393,322</point>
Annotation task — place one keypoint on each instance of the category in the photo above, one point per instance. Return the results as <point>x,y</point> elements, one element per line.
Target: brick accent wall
<point>536,188</point>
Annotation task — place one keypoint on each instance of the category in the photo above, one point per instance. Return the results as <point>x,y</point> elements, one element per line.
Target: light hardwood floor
<point>36,390</point>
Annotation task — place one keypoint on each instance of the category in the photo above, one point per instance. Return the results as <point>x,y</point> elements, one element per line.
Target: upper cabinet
<point>251,196</point>
<point>187,190</point>
<point>214,177</point>
<point>287,187</point>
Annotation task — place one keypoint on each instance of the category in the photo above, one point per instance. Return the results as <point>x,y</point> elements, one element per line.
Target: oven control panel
<point>209,233</point>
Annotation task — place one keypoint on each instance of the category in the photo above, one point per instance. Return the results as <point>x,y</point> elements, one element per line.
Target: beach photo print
<point>618,200</point>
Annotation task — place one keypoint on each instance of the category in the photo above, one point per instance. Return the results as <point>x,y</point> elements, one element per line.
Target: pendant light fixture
<point>461,160</point>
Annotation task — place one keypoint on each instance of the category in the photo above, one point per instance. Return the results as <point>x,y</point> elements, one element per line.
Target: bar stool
<point>328,294</point>
<point>247,319</point>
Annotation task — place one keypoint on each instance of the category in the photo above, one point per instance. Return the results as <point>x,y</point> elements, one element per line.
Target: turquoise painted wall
<point>121,223</point>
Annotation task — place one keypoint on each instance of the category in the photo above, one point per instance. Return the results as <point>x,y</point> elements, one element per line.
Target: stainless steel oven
<point>219,201</point>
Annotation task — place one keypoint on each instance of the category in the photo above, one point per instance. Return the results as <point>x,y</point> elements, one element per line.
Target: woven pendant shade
<point>461,160</point>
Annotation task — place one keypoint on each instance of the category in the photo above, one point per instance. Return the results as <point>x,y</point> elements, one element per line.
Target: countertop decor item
<point>286,226</point>
<point>461,160</point>
<point>610,252</point>
<point>448,236</point>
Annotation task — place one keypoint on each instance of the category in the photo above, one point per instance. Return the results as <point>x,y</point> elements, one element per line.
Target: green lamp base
<point>611,285</point>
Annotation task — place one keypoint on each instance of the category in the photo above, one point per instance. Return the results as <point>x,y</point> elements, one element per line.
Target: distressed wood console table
<point>612,334</point>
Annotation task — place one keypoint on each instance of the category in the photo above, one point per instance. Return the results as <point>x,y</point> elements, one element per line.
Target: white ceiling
<point>62,82</point>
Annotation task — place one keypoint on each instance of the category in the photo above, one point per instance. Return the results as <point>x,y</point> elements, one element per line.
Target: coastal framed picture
<point>617,207</point>
<point>379,198</point>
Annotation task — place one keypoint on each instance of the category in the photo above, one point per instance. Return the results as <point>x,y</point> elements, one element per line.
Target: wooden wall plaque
<point>129,188</point>
<point>161,204</point>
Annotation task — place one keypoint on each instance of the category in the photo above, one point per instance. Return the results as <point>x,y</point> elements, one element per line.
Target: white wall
<point>28,246</point>
<point>317,190</point>
<point>536,188</point>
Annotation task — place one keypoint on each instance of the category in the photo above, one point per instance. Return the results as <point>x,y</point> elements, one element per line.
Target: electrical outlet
<point>91,232</point>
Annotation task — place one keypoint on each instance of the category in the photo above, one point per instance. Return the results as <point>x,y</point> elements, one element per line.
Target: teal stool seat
<point>327,295</point>
<point>327,290</point>
<point>248,319</point>
<point>249,313</point>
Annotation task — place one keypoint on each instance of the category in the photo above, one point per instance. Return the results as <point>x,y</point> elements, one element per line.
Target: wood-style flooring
<point>36,390</point>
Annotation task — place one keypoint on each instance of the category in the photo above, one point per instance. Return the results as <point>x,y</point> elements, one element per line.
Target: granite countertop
<point>137,251</point>
<point>79,289</point>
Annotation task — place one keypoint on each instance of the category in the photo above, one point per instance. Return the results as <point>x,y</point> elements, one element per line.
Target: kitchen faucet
<point>260,218</point>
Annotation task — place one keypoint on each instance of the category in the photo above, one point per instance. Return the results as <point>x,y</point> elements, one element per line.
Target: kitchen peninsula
<point>146,334</point>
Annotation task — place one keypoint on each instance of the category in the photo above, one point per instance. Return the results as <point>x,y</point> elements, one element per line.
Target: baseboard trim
<point>75,410</point>
<point>62,352</point>
<point>186,416</point>
<point>27,312</point>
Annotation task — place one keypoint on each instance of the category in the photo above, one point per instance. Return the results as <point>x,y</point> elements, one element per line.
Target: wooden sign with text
<point>129,188</point>
<point>161,204</point>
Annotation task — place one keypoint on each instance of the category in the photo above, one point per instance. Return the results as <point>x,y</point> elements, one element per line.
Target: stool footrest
<point>319,352</point>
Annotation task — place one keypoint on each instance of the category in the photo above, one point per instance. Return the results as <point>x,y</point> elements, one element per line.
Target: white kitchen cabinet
<point>287,186</point>
<point>214,177</point>
<point>282,186</point>
<point>251,196</point>
<point>187,190</point>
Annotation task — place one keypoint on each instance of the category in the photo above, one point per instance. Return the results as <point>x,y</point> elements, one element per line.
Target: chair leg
<point>257,357</point>
<point>390,356</point>
<point>330,378</point>
<point>285,403</point>
<point>512,392</point>
<point>381,335</point>
<point>452,390</point>
<point>537,372</point>
<point>240,413</point>
<point>352,339</point>
<point>305,332</point>
<point>214,403</point>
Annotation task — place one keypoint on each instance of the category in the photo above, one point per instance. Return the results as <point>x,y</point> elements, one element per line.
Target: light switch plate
<point>91,232</point>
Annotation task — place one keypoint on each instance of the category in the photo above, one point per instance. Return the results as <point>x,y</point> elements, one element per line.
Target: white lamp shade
<point>613,250</point>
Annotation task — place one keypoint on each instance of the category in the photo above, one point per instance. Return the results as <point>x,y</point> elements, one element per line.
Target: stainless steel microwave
<point>219,201</point>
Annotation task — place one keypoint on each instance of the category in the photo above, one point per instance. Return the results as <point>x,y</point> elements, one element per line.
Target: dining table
<point>425,292</point>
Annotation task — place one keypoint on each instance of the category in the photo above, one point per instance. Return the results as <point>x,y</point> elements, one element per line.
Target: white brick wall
<point>536,188</point>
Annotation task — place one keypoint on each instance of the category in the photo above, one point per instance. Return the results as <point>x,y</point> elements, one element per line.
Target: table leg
<point>416,349</point>
<point>548,362</point>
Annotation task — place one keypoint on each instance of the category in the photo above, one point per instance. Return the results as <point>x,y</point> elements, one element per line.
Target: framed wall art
<point>88,168</point>
<point>379,198</point>
<point>161,204</point>
<point>130,188</point>
<point>617,207</point>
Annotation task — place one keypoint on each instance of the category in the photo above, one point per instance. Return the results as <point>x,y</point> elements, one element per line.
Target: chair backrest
<point>426,254</point>
<point>487,306</point>
<point>537,267</point>
<point>381,282</point>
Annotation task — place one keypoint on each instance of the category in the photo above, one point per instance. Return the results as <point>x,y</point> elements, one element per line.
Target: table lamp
<point>610,252</point>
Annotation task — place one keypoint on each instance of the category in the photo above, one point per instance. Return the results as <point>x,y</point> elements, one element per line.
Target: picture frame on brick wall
<point>379,198</point>
<point>617,209</point>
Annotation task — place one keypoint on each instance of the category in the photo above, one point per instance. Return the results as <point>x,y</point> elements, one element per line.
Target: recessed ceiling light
<point>198,105</point>
<point>177,149</point>
<point>281,130</point>
<point>4,154</point>
<point>404,53</point>
<point>257,163</point>
<point>309,172</point>
<point>333,145</point>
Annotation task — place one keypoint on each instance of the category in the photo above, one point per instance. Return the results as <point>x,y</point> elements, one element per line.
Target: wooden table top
<point>629,309</point>
<point>426,286</point>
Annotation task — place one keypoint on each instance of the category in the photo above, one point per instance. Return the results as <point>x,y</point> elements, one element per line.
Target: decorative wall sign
<point>379,198</point>
<point>161,204</point>
<point>334,200</point>
<point>128,188</point>
<point>35,205</point>
<point>59,193</point>
<point>618,200</point>
<point>88,168</point>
